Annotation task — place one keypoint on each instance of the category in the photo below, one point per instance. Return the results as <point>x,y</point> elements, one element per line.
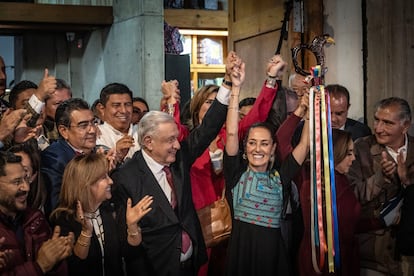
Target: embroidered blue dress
<point>259,200</point>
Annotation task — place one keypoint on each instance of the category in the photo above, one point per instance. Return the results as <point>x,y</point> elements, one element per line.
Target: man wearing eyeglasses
<point>28,246</point>
<point>77,128</point>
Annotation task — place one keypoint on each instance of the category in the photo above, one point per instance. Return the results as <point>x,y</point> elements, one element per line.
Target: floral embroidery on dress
<point>258,198</point>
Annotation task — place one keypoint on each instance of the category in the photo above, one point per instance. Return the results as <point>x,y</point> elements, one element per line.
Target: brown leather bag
<point>215,220</point>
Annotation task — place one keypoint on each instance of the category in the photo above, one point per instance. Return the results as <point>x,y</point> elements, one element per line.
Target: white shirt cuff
<point>223,95</point>
<point>36,104</point>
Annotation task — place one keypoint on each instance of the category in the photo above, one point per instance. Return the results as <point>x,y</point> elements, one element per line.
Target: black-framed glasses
<point>86,124</point>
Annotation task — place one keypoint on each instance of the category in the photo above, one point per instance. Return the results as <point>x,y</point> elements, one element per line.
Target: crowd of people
<point>114,188</point>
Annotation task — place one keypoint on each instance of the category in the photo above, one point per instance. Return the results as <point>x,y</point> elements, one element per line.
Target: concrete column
<point>131,51</point>
<point>134,50</point>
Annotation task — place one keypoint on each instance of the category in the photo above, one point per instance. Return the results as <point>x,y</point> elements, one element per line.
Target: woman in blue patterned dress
<point>258,192</point>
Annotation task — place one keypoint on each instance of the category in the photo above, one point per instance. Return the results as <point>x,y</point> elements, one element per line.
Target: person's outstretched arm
<point>232,120</point>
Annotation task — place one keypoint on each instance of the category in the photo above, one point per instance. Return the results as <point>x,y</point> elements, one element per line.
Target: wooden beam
<point>24,16</point>
<point>197,19</point>
<point>270,20</point>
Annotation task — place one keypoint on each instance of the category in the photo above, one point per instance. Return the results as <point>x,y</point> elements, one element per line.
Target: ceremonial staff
<point>324,219</point>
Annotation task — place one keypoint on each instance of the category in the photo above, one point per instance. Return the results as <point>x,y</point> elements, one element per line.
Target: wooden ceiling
<point>17,18</point>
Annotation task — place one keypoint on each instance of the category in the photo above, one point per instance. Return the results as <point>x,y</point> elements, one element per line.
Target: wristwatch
<point>228,83</point>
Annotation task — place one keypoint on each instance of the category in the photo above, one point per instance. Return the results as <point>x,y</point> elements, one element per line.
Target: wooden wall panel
<point>256,52</point>
<point>254,29</point>
<point>197,19</point>
<point>390,52</point>
<point>244,8</point>
<point>250,26</point>
<point>254,32</point>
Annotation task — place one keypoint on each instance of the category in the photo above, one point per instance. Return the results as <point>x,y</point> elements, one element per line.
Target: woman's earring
<point>244,156</point>
<point>272,158</point>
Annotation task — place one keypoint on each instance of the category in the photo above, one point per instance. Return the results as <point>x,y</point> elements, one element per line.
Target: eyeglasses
<point>86,125</point>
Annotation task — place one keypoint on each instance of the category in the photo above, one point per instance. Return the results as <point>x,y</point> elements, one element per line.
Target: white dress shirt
<point>109,136</point>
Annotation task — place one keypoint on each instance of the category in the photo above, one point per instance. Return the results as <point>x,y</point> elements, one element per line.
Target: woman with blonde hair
<point>84,210</point>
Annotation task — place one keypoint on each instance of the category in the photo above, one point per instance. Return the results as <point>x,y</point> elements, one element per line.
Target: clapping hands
<point>54,250</point>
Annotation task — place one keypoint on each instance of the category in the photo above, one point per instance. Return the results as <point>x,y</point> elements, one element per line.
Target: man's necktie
<point>168,175</point>
<point>186,241</point>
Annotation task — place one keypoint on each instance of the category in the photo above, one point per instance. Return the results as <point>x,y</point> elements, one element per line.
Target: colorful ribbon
<point>327,180</point>
<point>320,239</point>
<point>336,252</point>
<point>313,214</point>
<point>324,239</point>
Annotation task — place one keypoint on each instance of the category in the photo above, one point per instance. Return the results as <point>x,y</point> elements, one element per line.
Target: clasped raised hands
<point>275,67</point>
<point>237,73</point>
<point>232,60</point>
<point>170,92</point>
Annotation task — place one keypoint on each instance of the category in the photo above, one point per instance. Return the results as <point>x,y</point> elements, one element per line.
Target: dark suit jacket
<point>159,253</point>
<point>357,129</point>
<point>92,265</point>
<point>54,160</point>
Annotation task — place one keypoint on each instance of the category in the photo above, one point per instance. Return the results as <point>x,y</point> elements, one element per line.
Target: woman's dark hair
<point>256,125</point>
<point>37,194</point>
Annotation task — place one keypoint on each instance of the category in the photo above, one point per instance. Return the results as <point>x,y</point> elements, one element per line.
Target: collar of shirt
<point>117,132</point>
<point>402,149</point>
<point>159,174</point>
<point>75,149</point>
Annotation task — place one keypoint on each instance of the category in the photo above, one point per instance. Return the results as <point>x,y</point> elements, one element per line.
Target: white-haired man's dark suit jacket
<point>159,253</point>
